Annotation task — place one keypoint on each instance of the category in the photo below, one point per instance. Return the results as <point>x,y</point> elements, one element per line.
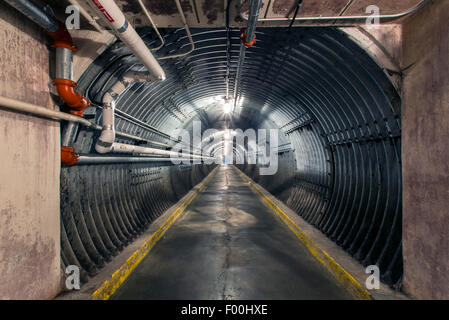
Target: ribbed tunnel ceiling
<point>306,71</point>
<point>340,162</point>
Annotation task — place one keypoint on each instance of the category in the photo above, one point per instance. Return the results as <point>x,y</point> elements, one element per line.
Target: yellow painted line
<point>342,276</point>
<point>108,288</point>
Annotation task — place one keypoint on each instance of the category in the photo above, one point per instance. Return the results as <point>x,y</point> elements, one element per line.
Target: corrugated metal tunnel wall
<point>342,169</point>
<point>340,114</point>
<point>104,207</point>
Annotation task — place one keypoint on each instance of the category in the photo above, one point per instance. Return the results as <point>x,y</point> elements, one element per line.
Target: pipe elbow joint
<point>162,77</point>
<point>62,38</point>
<point>102,147</point>
<point>108,99</point>
<point>68,156</point>
<point>105,142</point>
<point>74,100</point>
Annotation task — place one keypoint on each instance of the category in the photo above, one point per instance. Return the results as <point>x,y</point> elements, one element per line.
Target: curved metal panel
<point>336,108</point>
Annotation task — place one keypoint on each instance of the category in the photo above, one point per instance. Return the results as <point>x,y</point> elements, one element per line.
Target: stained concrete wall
<point>384,44</point>
<point>425,152</point>
<point>29,167</point>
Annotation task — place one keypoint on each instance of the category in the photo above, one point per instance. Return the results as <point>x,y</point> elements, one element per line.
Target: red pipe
<point>68,156</point>
<point>66,87</point>
<point>62,38</point>
<point>74,100</point>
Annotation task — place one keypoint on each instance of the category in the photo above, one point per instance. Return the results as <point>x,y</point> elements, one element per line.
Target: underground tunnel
<point>240,149</point>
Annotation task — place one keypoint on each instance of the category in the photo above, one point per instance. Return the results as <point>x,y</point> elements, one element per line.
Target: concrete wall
<point>383,44</point>
<point>425,152</point>
<point>29,168</point>
<point>90,45</point>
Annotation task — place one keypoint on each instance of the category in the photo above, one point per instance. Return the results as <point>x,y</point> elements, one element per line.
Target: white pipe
<point>107,137</point>
<point>114,17</point>
<point>87,16</point>
<point>20,106</point>
<point>127,148</point>
<point>88,159</point>
<point>106,142</point>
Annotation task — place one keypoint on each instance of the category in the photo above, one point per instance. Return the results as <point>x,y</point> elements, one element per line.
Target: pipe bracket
<point>247,44</point>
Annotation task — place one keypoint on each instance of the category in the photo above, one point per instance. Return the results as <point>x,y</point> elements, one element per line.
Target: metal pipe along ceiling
<point>340,17</point>
<point>36,14</point>
<point>337,109</point>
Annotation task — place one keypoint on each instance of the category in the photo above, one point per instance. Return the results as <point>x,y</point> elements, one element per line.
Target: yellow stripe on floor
<point>342,276</point>
<point>108,288</point>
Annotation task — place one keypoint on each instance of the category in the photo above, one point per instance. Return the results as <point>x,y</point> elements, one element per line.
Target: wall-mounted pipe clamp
<point>243,38</point>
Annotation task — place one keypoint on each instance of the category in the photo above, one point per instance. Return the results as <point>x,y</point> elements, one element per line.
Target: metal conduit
<point>36,14</point>
<point>189,35</point>
<point>340,17</point>
<point>156,30</point>
<point>91,159</point>
<point>250,34</point>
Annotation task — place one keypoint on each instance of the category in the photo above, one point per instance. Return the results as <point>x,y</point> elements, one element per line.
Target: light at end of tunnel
<point>227,107</point>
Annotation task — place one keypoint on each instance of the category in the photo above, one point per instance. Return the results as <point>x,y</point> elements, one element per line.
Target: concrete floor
<point>229,245</point>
